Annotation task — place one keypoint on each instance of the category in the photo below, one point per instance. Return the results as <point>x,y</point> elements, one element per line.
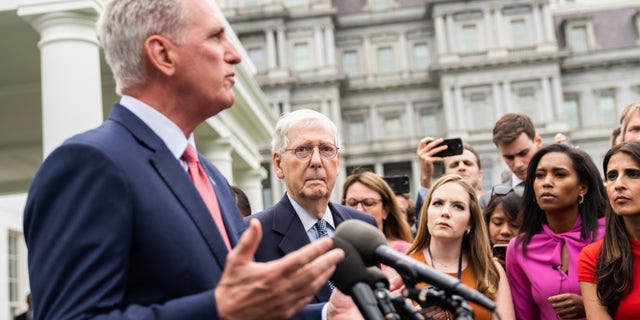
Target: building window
<point>607,107</point>
<point>392,126</point>
<point>385,60</point>
<point>526,101</point>
<point>257,57</point>
<point>429,124</point>
<point>519,34</point>
<point>470,38</point>
<point>380,4</point>
<point>302,56</point>
<point>421,57</point>
<point>357,130</point>
<point>350,64</point>
<point>475,110</point>
<point>579,35</point>
<point>571,111</point>
<point>578,39</point>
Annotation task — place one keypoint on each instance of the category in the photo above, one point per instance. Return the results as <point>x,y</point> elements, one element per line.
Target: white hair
<point>306,117</point>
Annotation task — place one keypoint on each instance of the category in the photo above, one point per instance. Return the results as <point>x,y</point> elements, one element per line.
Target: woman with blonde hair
<point>452,238</point>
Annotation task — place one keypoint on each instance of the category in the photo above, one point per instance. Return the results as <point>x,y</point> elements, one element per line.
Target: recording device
<point>398,184</point>
<point>351,277</point>
<point>392,307</point>
<point>371,244</point>
<point>500,251</point>
<point>454,147</point>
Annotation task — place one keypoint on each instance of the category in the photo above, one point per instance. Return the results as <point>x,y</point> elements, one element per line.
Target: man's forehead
<point>465,156</point>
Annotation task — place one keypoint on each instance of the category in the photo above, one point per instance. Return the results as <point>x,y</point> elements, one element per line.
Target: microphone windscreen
<point>364,237</point>
<point>350,270</point>
<point>377,276</point>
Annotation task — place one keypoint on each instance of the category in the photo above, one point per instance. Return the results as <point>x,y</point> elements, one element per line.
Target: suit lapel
<point>176,179</point>
<point>287,223</point>
<point>294,236</point>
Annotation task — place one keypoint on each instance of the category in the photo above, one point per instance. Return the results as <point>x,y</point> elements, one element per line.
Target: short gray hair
<point>126,24</point>
<point>300,117</point>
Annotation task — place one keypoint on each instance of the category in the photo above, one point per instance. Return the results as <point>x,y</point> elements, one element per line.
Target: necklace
<point>433,265</point>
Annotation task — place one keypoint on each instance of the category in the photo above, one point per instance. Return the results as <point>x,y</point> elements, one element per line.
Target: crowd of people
<point>129,221</point>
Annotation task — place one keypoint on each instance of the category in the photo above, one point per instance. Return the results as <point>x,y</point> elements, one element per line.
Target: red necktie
<point>201,180</point>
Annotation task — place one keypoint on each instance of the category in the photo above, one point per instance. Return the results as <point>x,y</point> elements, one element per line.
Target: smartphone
<point>454,147</point>
<point>399,184</point>
<point>500,251</point>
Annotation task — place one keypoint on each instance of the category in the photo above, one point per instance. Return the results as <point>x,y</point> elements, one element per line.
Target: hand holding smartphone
<point>454,147</point>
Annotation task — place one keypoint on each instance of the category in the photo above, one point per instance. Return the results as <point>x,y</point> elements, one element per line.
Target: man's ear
<point>161,54</point>
<point>277,168</point>
<point>537,139</point>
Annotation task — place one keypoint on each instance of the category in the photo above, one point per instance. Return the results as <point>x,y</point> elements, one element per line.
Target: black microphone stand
<point>433,296</point>
<point>438,297</point>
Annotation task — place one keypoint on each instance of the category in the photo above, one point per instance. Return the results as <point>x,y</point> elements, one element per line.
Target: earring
<point>468,231</point>
<point>580,198</point>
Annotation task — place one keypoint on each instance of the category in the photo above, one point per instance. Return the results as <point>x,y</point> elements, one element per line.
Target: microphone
<point>371,244</point>
<point>351,277</point>
<point>380,283</point>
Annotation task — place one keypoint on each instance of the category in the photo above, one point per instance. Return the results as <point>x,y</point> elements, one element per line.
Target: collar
<point>162,126</point>
<point>307,219</point>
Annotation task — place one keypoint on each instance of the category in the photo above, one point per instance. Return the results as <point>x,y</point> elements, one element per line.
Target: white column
<point>507,96</point>
<point>548,115</point>
<point>499,24</point>
<point>441,41</point>
<point>271,49</point>
<point>499,111</point>
<point>448,107</point>
<point>378,168</point>
<point>329,45</point>
<point>277,187</point>
<point>537,24</point>
<point>588,107</point>
<point>319,44</point>
<point>547,25</point>
<point>460,118</point>
<point>250,181</point>
<point>368,57</point>
<point>70,74</point>
<point>219,152</point>
<point>488,27</point>
<point>451,35</point>
<point>402,53</point>
<point>281,48</point>
<point>375,124</point>
<point>557,97</point>
<point>409,117</point>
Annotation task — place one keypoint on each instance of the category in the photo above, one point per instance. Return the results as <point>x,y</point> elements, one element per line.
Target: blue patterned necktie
<point>321,232</point>
<point>321,229</point>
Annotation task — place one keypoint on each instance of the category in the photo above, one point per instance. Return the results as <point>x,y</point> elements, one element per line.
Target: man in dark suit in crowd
<point>27,315</point>
<point>305,151</point>
<point>126,221</point>
<point>517,141</point>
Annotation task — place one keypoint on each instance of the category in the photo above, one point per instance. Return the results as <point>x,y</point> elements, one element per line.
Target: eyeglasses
<point>327,151</point>
<point>367,203</point>
<point>503,190</point>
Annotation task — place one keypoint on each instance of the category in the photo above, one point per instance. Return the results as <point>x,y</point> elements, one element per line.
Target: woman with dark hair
<point>607,269</point>
<point>452,239</point>
<point>501,214</point>
<point>562,205</point>
<point>502,218</point>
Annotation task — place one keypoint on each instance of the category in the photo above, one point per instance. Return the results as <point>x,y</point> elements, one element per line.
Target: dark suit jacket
<point>116,229</point>
<point>284,233</point>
